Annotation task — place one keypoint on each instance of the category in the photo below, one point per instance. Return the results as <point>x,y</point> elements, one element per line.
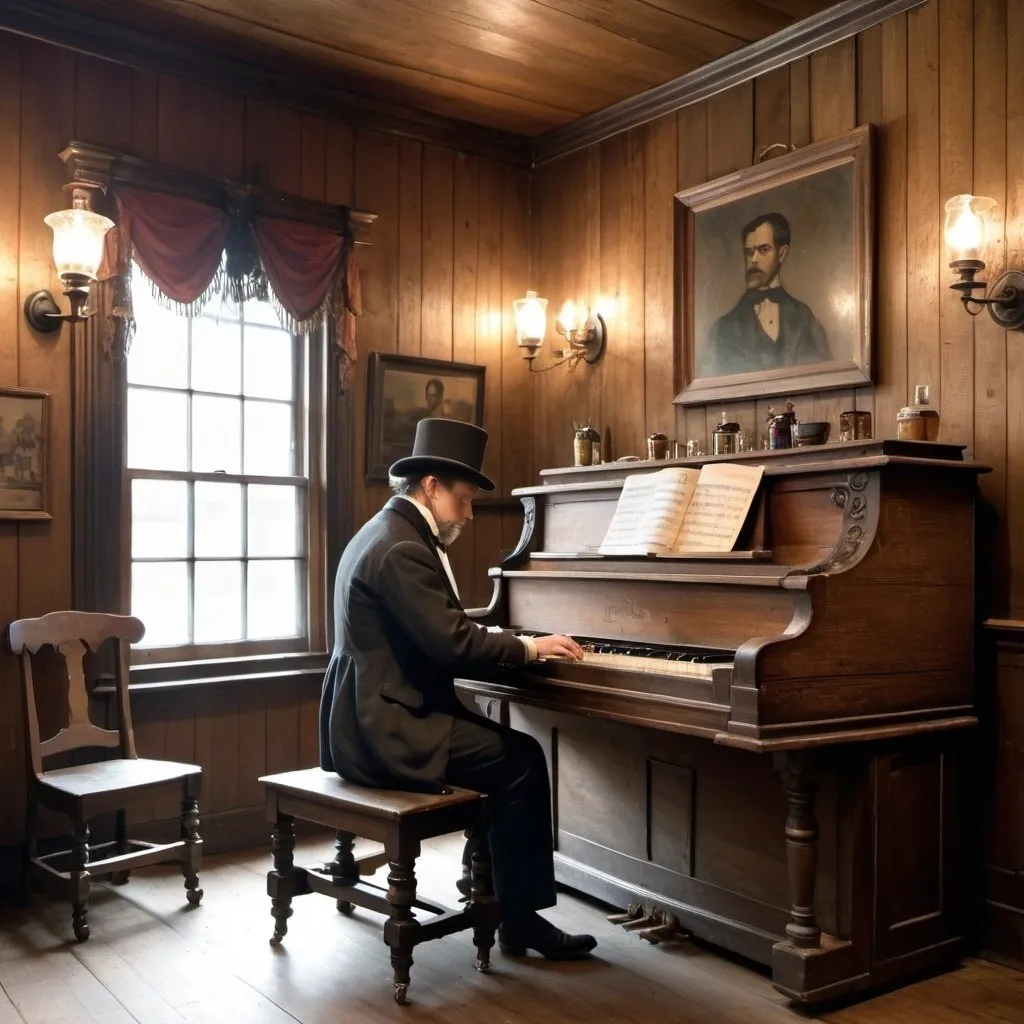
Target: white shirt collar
<point>425,512</point>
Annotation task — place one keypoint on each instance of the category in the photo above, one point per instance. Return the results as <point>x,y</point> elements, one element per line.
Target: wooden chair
<point>84,791</point>
<point>398,820</point>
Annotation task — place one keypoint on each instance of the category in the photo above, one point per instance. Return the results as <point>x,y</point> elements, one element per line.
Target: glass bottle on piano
<point>780,427</point>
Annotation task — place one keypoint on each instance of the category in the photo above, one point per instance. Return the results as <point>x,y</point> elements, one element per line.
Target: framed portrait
<point>774,272</point>
<point>24,444</point>
<point>404,390</point>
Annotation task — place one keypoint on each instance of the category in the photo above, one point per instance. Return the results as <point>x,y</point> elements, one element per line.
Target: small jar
<point>910,424</point>
<point>725,438</point>
<point>854,425</point>
<point>657,446</point>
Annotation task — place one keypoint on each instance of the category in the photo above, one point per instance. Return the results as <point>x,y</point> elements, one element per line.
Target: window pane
<point>218,602</point>
<point>256,312</point>
<point>218,509</point>
<point>157,429</point>
<point>160,599</point>
<point>159,350</point>
<point>216,356</point>
<point>159,519</point>
<point>273,599</point>
<point>216,434</point>
<point>268,439</point>
<point>273,520</point>
<point>268,363</point>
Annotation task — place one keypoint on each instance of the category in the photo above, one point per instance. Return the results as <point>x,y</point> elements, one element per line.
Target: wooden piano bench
<point>400,821</point>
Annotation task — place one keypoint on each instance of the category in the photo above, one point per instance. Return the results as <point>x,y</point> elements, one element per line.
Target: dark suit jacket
<point>738,343</point>
<point>401,638</point>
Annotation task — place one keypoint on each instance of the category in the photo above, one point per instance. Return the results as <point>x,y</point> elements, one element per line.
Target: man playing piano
<point>389,715</point>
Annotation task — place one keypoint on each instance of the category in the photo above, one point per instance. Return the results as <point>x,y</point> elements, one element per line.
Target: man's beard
<point>448,533</point>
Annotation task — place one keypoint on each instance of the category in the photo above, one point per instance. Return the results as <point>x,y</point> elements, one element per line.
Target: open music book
<point>679,509</point>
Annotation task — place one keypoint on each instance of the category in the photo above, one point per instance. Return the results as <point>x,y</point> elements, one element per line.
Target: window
<point>223,511</point>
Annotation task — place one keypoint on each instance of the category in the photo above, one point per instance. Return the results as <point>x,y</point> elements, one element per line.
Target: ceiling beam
<point>789,44</point>
<point>55,22</point>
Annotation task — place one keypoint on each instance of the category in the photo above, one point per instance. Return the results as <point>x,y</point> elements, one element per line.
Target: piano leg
<point>797,770</point>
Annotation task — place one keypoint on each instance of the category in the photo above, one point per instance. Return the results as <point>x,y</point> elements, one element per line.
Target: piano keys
<point>837,638</point>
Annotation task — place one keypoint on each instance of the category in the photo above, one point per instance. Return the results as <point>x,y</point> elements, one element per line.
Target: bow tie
<point>442,549</point>
<point>758,295</point>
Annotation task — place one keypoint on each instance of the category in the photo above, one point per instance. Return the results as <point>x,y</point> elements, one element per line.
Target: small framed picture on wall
<point>24,451</point>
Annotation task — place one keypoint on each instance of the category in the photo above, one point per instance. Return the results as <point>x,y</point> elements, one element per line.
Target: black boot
<point>518,934</point>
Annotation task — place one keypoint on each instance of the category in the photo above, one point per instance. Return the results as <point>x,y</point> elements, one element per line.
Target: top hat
<point>449,447</point>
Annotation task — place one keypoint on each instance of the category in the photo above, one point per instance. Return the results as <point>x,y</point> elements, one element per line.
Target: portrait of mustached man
<point>768,327</point>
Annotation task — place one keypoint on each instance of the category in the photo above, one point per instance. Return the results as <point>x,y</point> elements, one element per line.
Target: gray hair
<point>407,485</point>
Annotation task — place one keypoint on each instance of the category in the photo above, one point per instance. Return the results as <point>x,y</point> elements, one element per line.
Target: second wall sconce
<point>965,229</point>
<point>77,252</point>
<point>584,334</point>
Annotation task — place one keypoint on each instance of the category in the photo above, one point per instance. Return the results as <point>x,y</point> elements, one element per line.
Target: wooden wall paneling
<point>869,111</point>
<point>218,744</point>
<point>990,362</point>
<point>145,114</point>
<point>313,158</point>
<point>103,102</point>
<point>202,129</point>
<point>891,231</point>
<point>376,188</point>
<point>622,293</point>
<point>660,145</point>
<point>47,105</point>
<point>516,393</point>
<point>691,170</point>
<point>487,348</point>
<point>308,747</point>
<point>800,102</point>
<point>177,712</point>
<point>149,726</point>
<point>924,219</point>
<point>11,741</point>
<point>410,247</point>
<point>339,166</point>
<point>438,240</point>
<point>273,146</point>
<point>956,177</point>
<point>1014,340</point>
<point>833,111</point>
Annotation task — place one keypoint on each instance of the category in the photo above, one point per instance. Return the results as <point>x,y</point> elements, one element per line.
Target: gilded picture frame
<point>24,454</point>
<point>774,273</point>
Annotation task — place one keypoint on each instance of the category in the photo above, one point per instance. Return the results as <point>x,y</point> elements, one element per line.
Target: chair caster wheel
<point>483,966</point>
<point>344,907</point>
<point>400,995</point>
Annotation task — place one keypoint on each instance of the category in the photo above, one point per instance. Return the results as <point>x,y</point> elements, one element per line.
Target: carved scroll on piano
<point>678,510</point>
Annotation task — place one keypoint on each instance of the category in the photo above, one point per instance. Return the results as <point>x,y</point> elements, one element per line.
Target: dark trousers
<point>509,767</point>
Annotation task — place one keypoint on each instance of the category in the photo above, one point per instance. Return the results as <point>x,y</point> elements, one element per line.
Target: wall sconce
<point>585,333</point>
<point>586,339</point>
<point>77,252</point>
<point>966,223</point>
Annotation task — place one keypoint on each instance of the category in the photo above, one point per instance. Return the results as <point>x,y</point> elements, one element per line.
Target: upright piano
<point>769,746</point>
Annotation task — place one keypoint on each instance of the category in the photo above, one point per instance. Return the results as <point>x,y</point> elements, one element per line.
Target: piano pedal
<point>633,911</point>
<point>668,929</point>
<point>647,921</point>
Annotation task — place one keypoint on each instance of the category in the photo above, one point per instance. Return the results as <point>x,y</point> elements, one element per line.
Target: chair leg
<point>193,847</point>
<point>280,881</point>
<point>31,851</point>
<point>343,868</point>
<point>400,928</point>
<point>80,880</point>
<point>487,912</point>
<point>121,846</point>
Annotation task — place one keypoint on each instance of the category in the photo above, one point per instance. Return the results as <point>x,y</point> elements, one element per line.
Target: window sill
<point>246,671</point>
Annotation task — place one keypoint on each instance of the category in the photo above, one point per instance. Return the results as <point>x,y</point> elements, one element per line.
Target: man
<point>767,328</point>
<point>389,714</point>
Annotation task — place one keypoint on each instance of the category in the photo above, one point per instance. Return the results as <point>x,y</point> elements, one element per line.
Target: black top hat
<point>446,446</point>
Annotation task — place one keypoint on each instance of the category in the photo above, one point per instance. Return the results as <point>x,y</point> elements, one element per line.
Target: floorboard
<point>153,961</point>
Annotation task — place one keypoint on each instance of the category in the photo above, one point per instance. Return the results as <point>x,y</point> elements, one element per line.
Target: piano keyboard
<point>663,661</point>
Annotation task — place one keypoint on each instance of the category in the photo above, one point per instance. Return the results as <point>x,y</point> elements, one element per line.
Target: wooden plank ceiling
<point>523,66</point>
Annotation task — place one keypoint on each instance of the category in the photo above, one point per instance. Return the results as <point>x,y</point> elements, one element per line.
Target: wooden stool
<point>400,821</point>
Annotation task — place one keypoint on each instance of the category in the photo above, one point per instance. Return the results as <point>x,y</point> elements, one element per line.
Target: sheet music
<point>718,508</point>
<point>649,512</point>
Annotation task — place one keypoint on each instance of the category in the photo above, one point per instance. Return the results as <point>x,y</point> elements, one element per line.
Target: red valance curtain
<point>192,251</point>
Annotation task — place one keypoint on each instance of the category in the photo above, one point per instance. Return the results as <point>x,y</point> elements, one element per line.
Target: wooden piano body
<point>803,796</point>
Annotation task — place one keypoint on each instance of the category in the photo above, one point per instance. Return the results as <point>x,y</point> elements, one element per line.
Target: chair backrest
<point>70,633</point>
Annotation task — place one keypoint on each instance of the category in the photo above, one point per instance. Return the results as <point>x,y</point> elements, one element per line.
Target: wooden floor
<point>150,960</point>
